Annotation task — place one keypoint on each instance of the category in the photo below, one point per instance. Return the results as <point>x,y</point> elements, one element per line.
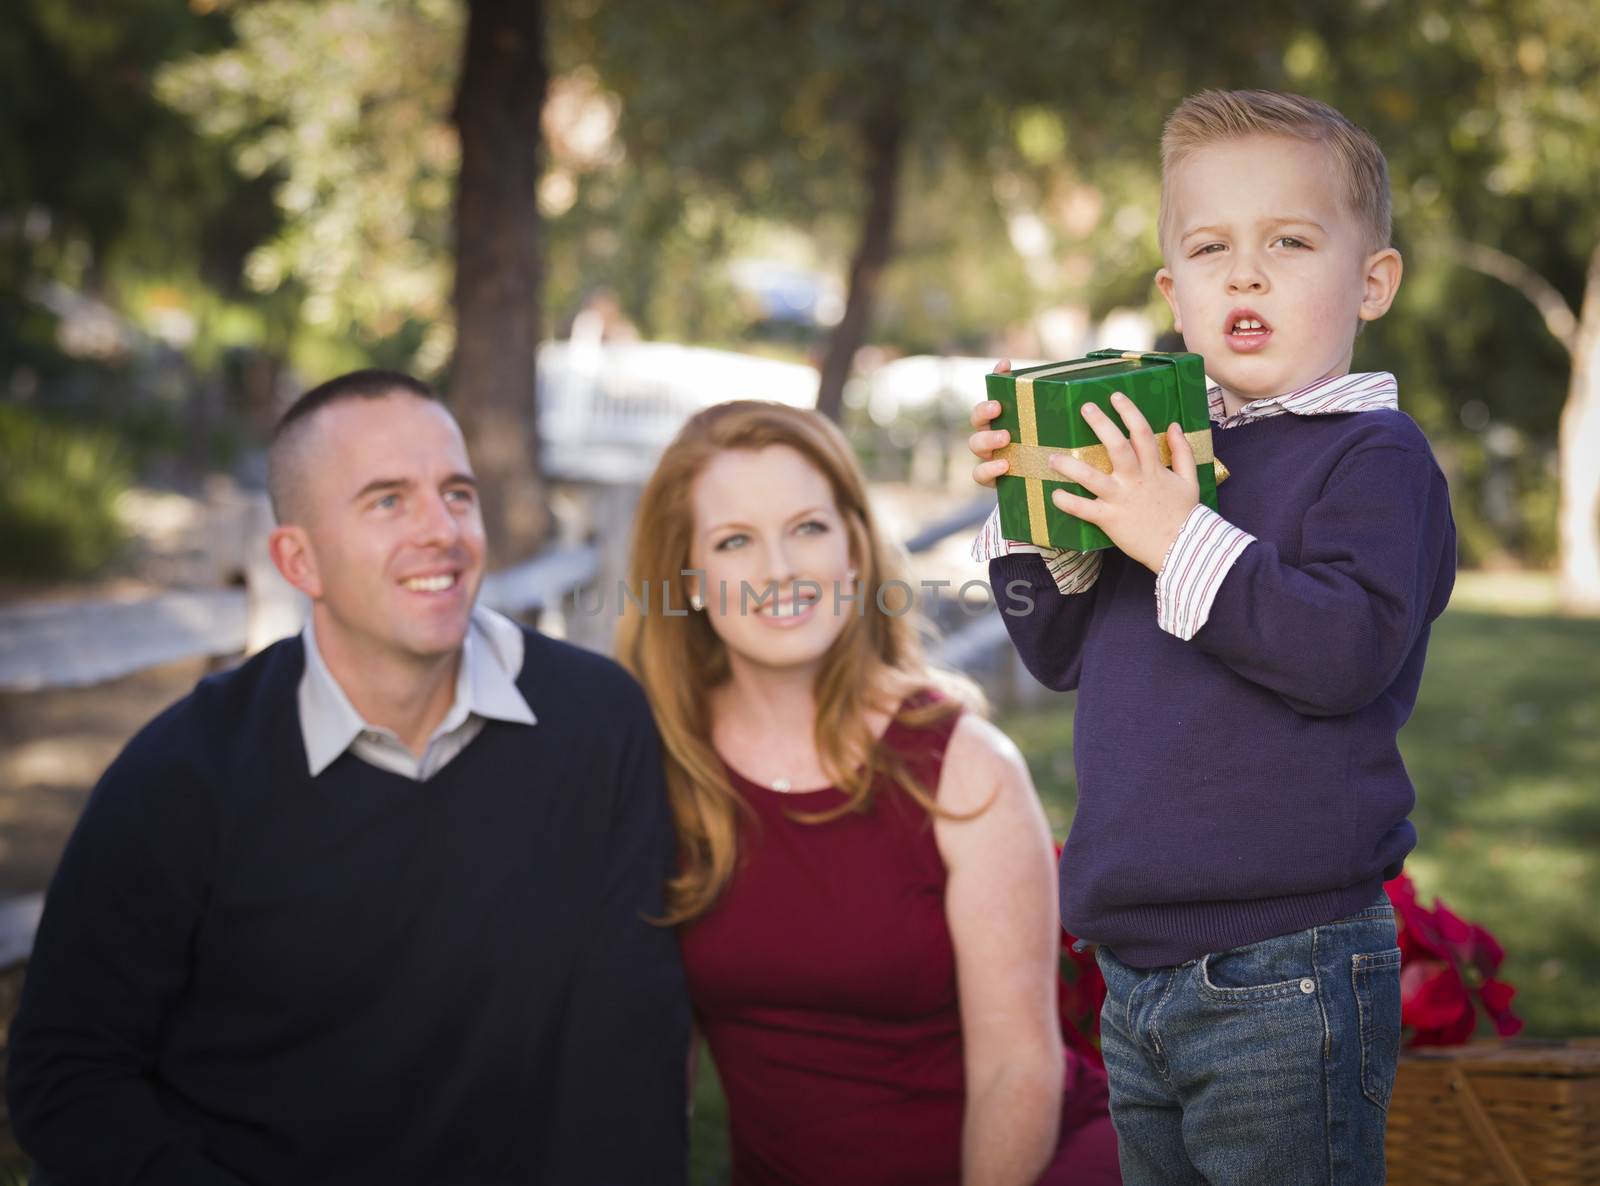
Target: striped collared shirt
<point>1207,544</point>
<point>486,689</point>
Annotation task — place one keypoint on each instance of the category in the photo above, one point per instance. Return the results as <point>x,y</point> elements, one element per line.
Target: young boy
<point>1242,676</point>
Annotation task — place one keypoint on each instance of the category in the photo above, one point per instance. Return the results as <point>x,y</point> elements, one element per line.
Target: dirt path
<point>54,745</point>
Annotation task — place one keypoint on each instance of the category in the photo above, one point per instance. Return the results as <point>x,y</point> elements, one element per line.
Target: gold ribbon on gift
<point>1029,460</point>
<point>1032,461</point>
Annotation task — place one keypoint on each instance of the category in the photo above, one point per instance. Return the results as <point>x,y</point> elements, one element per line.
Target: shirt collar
<point>1363,391</point>
<point>491,659</point>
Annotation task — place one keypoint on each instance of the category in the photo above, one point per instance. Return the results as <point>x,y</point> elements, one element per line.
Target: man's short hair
<point>283,471</point>
<point>1216,117</point>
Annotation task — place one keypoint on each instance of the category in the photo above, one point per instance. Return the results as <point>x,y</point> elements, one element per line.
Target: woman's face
<point>776,557</point>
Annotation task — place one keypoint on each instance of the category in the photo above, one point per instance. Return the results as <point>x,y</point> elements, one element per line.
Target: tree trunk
<point>1579,514</point>
<point>499,98</point>
<point>884,133</point>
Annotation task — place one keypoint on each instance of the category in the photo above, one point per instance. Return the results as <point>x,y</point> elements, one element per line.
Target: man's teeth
<point>431,584</point>
<point>1247,323</point>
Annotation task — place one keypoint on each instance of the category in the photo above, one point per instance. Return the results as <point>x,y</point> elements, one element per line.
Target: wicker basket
<point>1518,1114</point>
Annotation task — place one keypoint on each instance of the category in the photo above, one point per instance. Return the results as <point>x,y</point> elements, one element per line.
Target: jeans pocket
<point>1376,977</point>
<point>1273,970</point>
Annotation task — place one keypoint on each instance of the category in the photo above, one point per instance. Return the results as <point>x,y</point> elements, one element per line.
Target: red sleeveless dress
<point>824,981</point>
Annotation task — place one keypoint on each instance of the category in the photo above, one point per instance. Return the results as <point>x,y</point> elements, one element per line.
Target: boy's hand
<point>984,442</point>
<point>1140,504</point>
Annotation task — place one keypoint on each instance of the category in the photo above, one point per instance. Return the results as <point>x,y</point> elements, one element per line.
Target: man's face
<point>1268,270</point>
<point>393,531</point>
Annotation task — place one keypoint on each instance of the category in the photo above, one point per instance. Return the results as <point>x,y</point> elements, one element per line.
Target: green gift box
<point>1042,407</point>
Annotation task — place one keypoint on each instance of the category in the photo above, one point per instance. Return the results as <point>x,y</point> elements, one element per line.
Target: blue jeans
<point>1265,1065</point>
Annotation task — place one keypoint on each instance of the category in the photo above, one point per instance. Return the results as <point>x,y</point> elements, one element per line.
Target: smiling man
<point>372,907</point>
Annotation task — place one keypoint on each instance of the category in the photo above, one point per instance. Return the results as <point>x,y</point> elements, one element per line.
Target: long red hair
<point>874,664</point>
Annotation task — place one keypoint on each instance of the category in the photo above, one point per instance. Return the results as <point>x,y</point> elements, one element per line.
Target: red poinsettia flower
<point>1080,992</point>
<point>1447,973</point>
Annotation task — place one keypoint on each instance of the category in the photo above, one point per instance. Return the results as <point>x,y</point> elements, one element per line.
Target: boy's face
<point>1268,270</point>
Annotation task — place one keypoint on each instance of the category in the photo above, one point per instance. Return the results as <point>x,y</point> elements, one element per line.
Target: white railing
<point>74,644</point>
<point>606,410</point>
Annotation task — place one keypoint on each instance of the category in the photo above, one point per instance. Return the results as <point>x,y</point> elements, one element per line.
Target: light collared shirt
<point>486,689</point>
<point>1207,544</point>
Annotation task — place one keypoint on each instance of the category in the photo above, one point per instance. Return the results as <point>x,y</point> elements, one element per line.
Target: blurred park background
<point>584,218</point>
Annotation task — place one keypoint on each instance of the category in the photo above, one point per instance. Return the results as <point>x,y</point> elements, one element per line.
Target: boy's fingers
<point>1095,481</point>
<point>1003,367</point>
<point>1121,453</point>
<point>1090,510</point>
<point>984,442</point>
<point>1183,463</point>
<point>983,412</point>
<point>985,472</point>
<point>1139,434</point>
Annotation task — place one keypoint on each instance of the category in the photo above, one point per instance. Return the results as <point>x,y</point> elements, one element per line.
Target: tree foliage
<point>344,105</point>
<point>1017,144</point>
<point>102,187</point>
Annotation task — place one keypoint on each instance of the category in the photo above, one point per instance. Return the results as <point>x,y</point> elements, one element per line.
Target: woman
<point>866,888</point>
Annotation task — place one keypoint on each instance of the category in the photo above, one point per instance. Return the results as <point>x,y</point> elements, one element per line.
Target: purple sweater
<point>1248,783</point>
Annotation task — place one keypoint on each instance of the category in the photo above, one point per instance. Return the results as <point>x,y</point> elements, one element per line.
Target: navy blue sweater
<point>1247,783</point>
<point>244,975</point>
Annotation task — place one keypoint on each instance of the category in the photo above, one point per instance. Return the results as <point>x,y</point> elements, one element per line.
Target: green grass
<point>1504,748</point>
<point>708,1128</point>
<point>58,491</point>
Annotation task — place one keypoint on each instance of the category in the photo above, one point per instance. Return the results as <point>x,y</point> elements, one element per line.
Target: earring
<point>695,603</point>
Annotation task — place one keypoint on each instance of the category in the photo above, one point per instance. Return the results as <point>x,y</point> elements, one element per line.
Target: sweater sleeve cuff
<point>1194,569</point>
<point>1072,572</point>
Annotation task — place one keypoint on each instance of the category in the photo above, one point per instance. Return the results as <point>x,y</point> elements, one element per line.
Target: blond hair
<point>1216,117</point>
<point>874,664</point>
